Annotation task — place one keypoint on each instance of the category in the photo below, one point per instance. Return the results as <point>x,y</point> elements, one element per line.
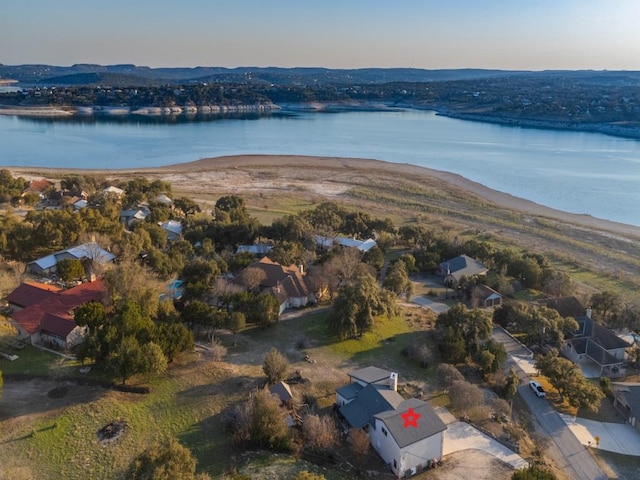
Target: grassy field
<point>61,441</point>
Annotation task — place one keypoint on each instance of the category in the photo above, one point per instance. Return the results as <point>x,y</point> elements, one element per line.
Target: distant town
<point>606,102</point>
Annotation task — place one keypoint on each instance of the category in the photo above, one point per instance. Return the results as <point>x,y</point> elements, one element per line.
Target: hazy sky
<point>507,34</point>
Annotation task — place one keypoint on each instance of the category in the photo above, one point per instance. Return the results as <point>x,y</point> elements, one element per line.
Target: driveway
<point>614,437</point>
<point>567,450</point>
<point>461,436</point>
<point>578,461</point>
<point>437,307</point>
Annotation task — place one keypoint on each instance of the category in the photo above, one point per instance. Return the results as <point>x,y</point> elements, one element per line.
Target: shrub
<point>275,366</point>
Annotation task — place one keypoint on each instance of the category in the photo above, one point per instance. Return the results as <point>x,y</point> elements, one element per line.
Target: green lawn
<point>31,361</point>
<point>186,404</point>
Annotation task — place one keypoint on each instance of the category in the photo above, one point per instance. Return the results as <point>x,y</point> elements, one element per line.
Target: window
<point>395,464</point>
<point>384,432</point>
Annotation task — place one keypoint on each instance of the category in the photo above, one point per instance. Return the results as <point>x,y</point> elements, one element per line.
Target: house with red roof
<point>288,284</point>
<point>44,313</point>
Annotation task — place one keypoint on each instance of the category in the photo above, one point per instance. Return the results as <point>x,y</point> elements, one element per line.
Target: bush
<point>446,375</point>
<point>605,385</point>
<point>465,395</point>
<point>320,433</point>
<point>218,352</point>
<point>275,366</point>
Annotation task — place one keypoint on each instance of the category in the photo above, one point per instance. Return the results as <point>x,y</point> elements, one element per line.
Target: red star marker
<point>410,418</point>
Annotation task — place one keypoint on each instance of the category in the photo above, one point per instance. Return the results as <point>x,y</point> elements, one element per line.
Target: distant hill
<point>118,75</point>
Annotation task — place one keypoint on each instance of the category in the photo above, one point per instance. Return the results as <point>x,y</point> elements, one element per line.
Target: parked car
<point>537,389</point>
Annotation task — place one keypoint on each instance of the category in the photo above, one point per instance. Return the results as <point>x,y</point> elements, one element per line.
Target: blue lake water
<point>576,172</point>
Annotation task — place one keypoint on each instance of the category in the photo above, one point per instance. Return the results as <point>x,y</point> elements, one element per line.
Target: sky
<point>431,34</point>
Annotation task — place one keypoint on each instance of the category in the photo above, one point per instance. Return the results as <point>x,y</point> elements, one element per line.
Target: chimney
<point>301,268</point>
<point>588,312</point>
<point>393,381</point>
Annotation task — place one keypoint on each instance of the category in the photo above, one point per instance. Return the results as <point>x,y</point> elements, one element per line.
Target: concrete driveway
<point>436,307</point>
<point>614,437</point>
<point>461,436</point>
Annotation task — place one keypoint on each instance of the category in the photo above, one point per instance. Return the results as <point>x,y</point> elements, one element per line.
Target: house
<point>288,284</point>
<point>565,306</point>
<point>454,269</point>
<point>283,391</point>
<point>407,434</point>
<point>173,229</point>
<point>595,347</point>
<point>258,249</point>
<point>408,437</point>
<point>87,252</point>
<point>362,245</point>
<point>627,401</point>
<point>44,314</point>
<point>131,216</point>
<point>118,192</point>
<point>38,187</point>
<point>487,297</point>
<point>23,296</point>
<point>164,200</point>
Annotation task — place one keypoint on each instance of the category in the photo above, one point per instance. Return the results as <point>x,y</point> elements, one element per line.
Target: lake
<point>576,172</point>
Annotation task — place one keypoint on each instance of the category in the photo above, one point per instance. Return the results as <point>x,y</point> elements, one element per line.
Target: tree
<point>267,428</point>
<point>237,322</point>
<point>126,359</point>
<point>167,461</point>
<point>473,325</point>
<point>534,472</point>
<point>356,305</point>
<point>174,338</point>
<point>187,206</point>
<point>511,386</point>
<point>129,281</point>
<point>70,269</point>
<point>275,366</point>
<point>465,395</point>
<point>320,433</point>
<point>305,475</point>
<point>567,378</point>
<point>359,443</point>
<point>397,279</point>
<point>91,315</point>
<point>605,304</point>
<point>447,375</point>
<point>154,360</point>
<point>252,277</point>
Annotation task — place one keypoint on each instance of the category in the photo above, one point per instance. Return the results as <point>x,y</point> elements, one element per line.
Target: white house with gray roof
<point>406,449</point>
<point>371,402</point>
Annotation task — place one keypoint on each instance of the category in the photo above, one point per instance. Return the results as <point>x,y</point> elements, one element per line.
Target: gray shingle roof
<point>350,391</point>
<point>370,375</point>
<point>369,402</point>
<point>462,265</point>
<point>429,422</point>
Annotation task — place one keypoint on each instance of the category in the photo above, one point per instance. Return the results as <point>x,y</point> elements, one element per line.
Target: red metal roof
<point>54,312</point>
<point>29,294</point>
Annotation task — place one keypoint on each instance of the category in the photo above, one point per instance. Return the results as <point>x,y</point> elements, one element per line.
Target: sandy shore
<point>232,170</point>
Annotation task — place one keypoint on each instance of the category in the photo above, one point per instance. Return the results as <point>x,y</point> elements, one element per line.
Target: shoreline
<point>631,132</point>
<point>217,168</point>
<point>196,113</point>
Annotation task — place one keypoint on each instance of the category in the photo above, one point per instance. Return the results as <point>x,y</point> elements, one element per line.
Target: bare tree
<point>465,395</point>
<point>446,375</point>
<point>320,433</point>
<point>252,277</point>
<point>360,442</point>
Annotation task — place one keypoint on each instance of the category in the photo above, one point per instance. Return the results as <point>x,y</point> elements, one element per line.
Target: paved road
<point>578,459</point>
<point>570,455</point>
